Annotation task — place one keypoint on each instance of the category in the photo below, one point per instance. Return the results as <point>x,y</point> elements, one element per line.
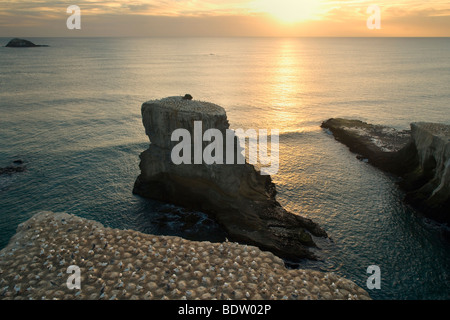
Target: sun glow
<point>289,11</point>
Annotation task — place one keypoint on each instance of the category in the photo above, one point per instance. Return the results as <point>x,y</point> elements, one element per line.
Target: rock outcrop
<point>428,184</point>
<point>236,196</point>
<point>421,157</point>
<point>22,43</point>
<point>378,145</point>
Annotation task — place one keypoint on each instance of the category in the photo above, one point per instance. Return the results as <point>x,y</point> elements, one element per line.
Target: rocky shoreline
<point>419,157</point>
<point>375,144</point>
<point>128,265</point>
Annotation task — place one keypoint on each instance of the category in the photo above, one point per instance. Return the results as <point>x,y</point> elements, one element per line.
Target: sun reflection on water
<point>288,82</point>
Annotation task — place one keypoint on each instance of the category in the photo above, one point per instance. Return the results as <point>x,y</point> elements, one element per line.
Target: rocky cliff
<point>421,157</point>
<point>236,195</point>
<point>428,185</point>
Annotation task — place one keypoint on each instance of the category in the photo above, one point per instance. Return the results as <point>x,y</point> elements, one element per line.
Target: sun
<point>289,11</point>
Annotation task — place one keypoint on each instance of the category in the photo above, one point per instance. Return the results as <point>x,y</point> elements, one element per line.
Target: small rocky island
<point>420,157</point>
<point>22,43</point>
<point>240,199</point>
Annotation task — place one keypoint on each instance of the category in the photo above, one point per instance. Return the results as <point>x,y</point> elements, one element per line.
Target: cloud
<point>218,17</point>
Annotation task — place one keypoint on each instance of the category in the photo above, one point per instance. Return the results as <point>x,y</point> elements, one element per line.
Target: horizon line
<point>221,36</point>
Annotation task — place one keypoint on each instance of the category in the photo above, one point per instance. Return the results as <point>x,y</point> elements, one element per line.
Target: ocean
<point>71,112</point>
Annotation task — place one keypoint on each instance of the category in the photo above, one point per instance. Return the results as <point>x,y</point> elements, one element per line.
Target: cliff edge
<point>428,184</point>
<point>420,156</point>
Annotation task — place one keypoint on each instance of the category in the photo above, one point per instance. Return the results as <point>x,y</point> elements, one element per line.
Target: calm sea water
<point>72,113</point>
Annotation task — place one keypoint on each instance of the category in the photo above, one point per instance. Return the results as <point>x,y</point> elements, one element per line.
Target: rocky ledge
<point>125,265</point>
<point>236,196</point>
<point>420,157</point>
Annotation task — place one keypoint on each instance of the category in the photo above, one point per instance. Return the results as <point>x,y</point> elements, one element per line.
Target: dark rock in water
<point>420,157</point>
<point>428,183</point>
<point>236,196</point>
<point>15,168</point>
<point>11,170</point>
<point>22,43</point>
<point>378,144</point>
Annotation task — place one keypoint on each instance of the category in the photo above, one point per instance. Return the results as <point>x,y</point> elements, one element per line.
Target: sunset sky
<point>44,18</point>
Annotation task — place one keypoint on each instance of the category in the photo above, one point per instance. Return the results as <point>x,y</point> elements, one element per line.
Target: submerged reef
<point>124,265</point>
<point>17,166</point>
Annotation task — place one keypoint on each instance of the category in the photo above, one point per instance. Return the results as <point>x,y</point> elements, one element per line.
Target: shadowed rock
<point>22,43</point>
<point>428,184</point>
<point>421,157</point>
<point>236,196</point>
<point>18,166</point>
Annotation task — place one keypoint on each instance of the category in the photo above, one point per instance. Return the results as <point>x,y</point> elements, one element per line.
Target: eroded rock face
<point>237,196</point>
<point>420,157</point>
<point>429,183</point>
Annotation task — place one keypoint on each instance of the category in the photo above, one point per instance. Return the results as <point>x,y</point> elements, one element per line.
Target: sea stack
<point>236,196</point>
